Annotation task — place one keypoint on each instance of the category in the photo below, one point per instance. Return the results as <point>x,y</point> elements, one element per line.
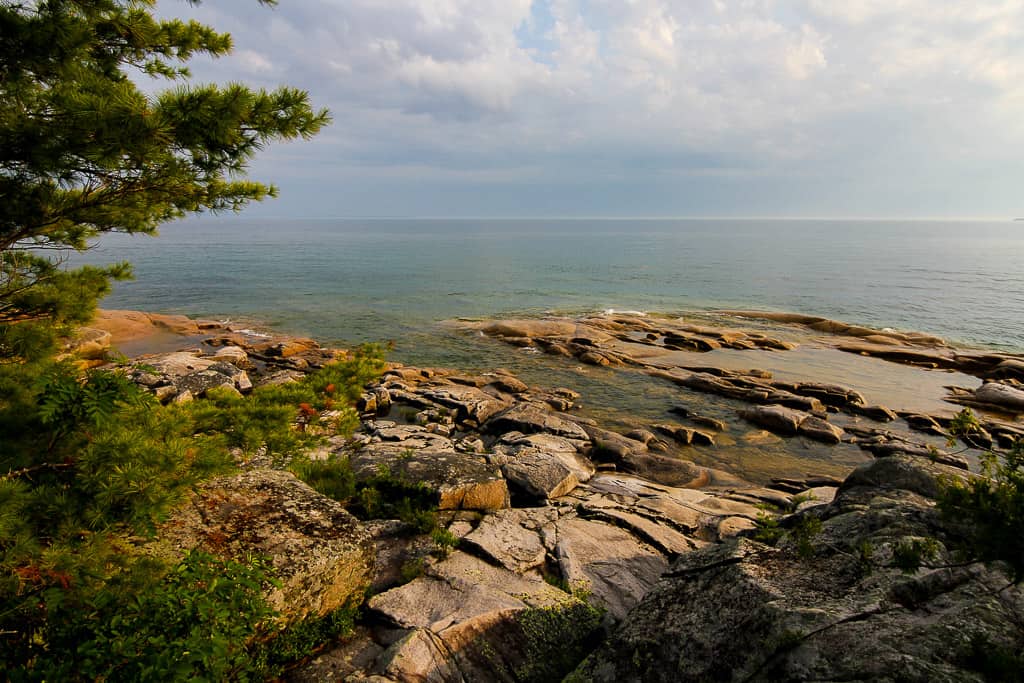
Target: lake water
<point>346,281</point>
<point>359,280</point>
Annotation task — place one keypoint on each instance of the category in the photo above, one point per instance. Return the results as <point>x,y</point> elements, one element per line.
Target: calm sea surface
<point>360,280</point>
<point>345,281</point>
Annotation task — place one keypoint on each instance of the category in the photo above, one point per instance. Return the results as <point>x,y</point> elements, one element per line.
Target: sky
<point>583,108</point>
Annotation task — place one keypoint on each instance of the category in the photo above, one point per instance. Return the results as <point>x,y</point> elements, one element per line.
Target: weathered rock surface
<point>321,554</point>
<point>460,621</point>
<point>617,567</point>
<point>512,538</point>
<point>1001,395</point>
<point>531,419</point>
<point>462,481</point>
<point>744,611</point>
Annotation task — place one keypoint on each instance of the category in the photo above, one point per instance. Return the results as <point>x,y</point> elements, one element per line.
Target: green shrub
<point>193,623</point>
<point>331,477</point>
<point>988,509</point>
<point>88,462</point>
<point>557,638</point>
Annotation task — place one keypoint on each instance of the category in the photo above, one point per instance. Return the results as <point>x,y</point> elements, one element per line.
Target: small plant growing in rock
<point>412,569</point>
<point>444,540</point>
<point>803,533</point>
<point>767,529</point>
<point>910,554</point>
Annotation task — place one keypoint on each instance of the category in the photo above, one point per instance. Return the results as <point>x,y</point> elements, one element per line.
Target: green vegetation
<point>92,465</point>
<point>988,509</point>
<point>89,464</point>
<point>557,638</point>
<point>84,151</point>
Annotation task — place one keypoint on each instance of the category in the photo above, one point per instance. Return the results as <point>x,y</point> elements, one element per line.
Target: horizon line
<point>239,215</point>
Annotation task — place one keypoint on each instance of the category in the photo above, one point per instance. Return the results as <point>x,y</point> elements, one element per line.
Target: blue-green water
<point>345,281</point>
<point>356,280</point>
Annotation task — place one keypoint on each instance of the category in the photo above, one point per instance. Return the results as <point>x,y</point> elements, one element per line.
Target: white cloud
<point>756,84</point>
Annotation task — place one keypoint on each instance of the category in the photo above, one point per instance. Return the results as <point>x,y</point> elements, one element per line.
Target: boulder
<point>234,355</point>
<point>469,401</point>
<point>875,412</point>
<point>320,553</point>
<point>463,481</point>
<point>538,476</point>
<point>820,430</point>
<point>1001,395</point>
<point>531,418</point>
<point>775,418</point>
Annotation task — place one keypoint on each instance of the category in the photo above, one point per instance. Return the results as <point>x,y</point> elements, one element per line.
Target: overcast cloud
<point>639,107</point>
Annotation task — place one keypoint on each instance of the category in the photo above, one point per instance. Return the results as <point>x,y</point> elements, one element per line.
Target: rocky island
<point>616,551</point>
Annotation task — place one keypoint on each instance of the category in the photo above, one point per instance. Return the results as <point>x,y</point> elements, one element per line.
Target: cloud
<point>550,89</point>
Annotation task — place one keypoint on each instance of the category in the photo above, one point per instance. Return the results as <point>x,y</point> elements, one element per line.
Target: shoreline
<point>536,500</point>
<point>630,382</point>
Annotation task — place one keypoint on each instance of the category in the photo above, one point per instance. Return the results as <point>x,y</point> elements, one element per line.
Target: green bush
<point>193,623</point>
<point>988,509</point>
<point>90,463</point>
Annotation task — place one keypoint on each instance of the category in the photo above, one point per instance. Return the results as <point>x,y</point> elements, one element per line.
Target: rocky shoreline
<point>548,512</point>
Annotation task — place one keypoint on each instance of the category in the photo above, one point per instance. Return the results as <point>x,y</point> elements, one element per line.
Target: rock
<point>924,423</point>
<point>617,567</point>
<point>511,537</point>
<point>462,481</point>
<point>829,394</point>
<point>744,611</point>
<point>280,377</point>
<point>508,384</point>
<point>775,418</point>
<point>321,554</point>
<point>530,328</point>
<point>695,513</point>
<point>820,430</point>
<point>612,446</point>
<point>234,355</point>
<point>287,348</point>
<point>875,412</point>
<point>1001,395</point>
<point>530,419</point>
<point>662,536</point>
<point>125,326</point>
<point>538,476</point>
<point>89,343</point>
<point>461,617</point>
<point>469,402</point>
<point>819,495</point>
<point>565,451</point>
<point>1009,368</point>
<point>687,435</point>
<point>907,473</point>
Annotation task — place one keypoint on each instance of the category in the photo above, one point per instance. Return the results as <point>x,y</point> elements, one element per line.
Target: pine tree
<point>84,151</point>
<point>87,462</point>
